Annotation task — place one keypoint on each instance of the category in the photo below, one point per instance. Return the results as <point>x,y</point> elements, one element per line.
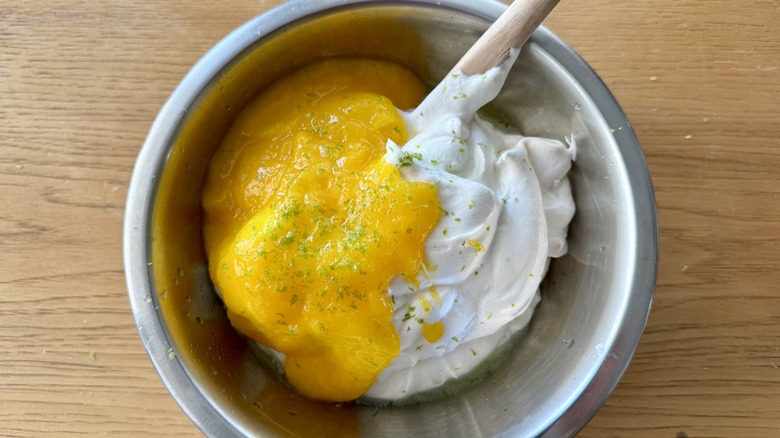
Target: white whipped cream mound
<point>507,205</point>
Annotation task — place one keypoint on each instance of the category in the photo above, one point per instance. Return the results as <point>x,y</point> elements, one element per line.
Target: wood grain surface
<point>81,83</point>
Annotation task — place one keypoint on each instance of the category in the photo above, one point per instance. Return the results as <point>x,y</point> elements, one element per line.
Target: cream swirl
<point>506,208</point>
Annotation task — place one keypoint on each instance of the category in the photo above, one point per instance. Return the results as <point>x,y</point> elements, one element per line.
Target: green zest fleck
<point>408,158</point>
<point>288,239</point>
<point>455,339</point>
<point>471,204</point>
<point>409,315</point>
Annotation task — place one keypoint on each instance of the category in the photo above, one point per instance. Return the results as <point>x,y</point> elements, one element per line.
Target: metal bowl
<point>595,300</point>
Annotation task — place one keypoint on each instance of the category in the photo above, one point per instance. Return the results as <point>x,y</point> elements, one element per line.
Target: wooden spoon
<point>512,29</point>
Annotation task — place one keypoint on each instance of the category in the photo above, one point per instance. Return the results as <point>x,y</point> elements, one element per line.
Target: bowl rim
<point>151,158</point>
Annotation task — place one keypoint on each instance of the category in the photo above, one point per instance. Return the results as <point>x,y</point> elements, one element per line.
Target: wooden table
<point>80,84</point>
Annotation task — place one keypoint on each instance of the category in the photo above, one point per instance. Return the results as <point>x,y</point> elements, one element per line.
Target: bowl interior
<point>578,329</point>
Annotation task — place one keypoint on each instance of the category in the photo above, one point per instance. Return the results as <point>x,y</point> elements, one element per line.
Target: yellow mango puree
<point>306,223</point>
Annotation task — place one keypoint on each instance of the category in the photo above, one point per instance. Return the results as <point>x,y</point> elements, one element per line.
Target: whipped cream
<point>507,205</point>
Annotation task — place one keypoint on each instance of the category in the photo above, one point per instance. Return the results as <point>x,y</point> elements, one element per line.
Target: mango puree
<point>306,223</point>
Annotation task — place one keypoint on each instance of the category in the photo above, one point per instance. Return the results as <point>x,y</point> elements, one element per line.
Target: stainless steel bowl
<point>595,299</point>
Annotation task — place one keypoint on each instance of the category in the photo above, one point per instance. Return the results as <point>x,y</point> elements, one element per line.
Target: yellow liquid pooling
<point>306,223</point>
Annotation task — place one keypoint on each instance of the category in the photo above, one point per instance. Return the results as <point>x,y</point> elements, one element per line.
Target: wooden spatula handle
<point>512,29</point>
